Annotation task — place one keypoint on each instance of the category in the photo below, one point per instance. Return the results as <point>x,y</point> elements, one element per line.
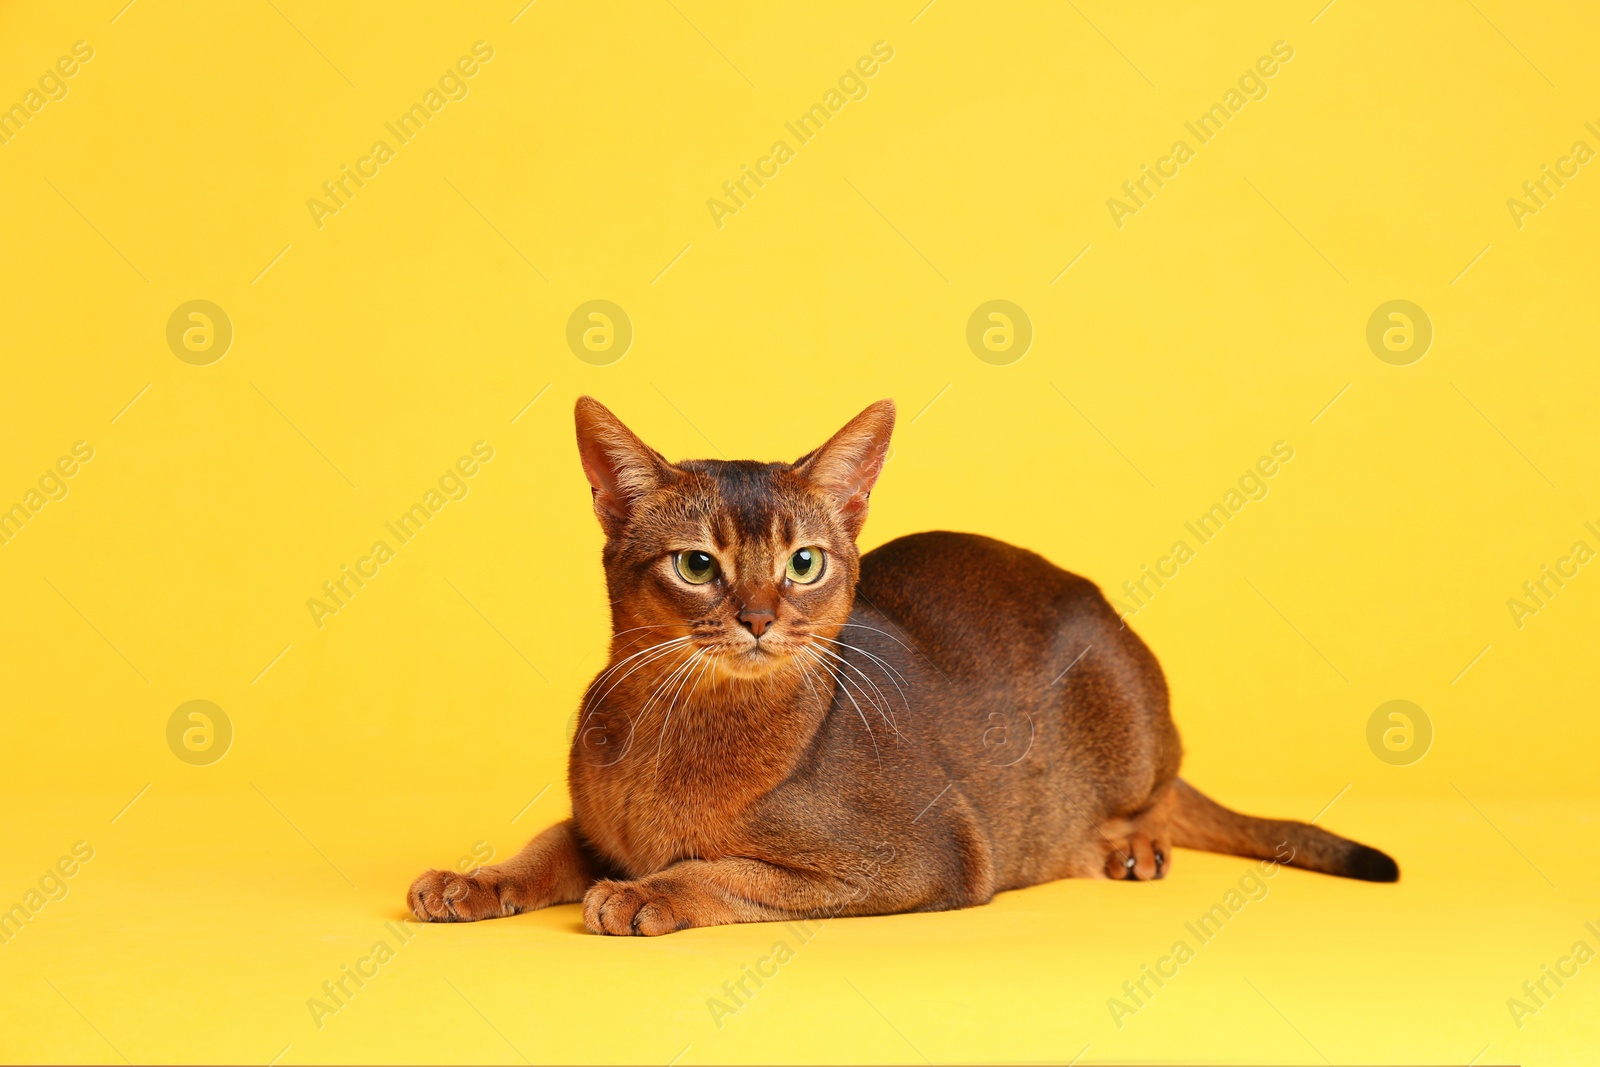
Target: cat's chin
<point>752,661</point>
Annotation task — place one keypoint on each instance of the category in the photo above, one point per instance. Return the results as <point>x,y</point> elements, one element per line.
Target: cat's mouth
<point>758,652</point>
<point>752,659</point>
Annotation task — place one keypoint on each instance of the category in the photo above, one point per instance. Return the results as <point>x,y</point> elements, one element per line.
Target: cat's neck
<point>664,761</point>
<point>709,728</point>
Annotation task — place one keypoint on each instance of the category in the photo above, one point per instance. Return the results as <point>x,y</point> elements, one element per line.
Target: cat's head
<point>742,560</point>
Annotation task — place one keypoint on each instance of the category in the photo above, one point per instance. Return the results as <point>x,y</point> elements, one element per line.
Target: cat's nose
<point>756,620</point>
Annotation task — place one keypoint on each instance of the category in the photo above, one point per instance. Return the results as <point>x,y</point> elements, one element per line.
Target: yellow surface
<point>374,346</point>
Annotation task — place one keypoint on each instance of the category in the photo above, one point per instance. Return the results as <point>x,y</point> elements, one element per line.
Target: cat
<point>787,728</point>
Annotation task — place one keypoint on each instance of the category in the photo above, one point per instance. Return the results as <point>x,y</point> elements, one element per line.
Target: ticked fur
<point>918,728</point>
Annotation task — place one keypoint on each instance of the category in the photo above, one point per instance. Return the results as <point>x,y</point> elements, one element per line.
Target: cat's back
<point>975,603</point>
<point>968,557</point>
<point>1009,675</point>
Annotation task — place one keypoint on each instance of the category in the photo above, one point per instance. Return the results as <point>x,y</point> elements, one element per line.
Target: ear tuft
<point>620,467</point>
<point>847,467</point>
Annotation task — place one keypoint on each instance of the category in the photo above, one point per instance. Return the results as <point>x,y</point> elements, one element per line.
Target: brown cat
<point>789,729</point>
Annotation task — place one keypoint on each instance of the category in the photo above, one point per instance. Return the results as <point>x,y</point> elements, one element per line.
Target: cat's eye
<point>695,567</point>
<point>805,566</point>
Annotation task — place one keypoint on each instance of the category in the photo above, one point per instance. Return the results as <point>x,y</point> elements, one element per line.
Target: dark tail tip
<point>1370,865</point>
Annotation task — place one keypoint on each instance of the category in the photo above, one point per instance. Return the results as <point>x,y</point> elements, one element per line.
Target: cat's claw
<point>1138,859</point>
<point>451,897</point>
<point>625,908</point>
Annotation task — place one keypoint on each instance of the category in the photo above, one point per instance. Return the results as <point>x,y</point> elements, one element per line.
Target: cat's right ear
<point>847,467</point>
<point>620,467</point>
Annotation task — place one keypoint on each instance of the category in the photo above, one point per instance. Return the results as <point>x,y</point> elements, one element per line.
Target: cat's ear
<point>620,467</point>
<point>849,464</point>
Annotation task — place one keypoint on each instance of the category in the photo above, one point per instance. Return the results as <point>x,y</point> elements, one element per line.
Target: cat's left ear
<point>620,467</point>
<point>848,466</point>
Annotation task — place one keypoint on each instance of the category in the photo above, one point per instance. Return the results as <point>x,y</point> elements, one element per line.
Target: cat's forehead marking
<point>751,512</point>
<point>748,497</point>
<point>741,503</point>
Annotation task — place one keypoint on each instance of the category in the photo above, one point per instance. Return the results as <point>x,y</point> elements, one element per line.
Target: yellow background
<point>425,716</point>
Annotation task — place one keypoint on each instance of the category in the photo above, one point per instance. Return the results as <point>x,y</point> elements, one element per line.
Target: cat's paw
<point>451,897</point>
<point>1138,858</point>
<point>611,907</point>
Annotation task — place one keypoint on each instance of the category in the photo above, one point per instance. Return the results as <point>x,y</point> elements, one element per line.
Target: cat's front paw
<point>450,897</point>
<point>611,907</point>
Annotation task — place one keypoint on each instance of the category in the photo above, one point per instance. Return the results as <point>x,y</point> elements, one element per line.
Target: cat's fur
<point>927,725</point>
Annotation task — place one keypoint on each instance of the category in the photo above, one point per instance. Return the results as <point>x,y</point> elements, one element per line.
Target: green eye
<point>696,568</point>
<point>805,566</point>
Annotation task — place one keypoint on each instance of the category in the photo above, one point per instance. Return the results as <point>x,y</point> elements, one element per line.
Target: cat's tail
<point>1200,822</point>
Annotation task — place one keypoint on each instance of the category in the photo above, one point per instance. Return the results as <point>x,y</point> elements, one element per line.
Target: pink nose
<point>757,620</point>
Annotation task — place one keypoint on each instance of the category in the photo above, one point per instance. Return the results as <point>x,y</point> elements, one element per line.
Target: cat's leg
<point>554,868</point>
<point>1138,848</point>
<point>718,892</point>
<point>1139,857</point>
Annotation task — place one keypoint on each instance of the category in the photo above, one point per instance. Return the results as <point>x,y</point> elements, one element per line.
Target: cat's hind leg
<point>1138,848</point>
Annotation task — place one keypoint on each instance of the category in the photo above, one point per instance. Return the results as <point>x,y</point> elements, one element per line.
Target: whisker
<point>660,686</point>
<point>642,651</point>
<point>913,647</point>
<point>651,654</point>
<point>857,685</point>
<point>886,633</point>
<point>840,678</point>
<point>894,677</point>
<point>887,666</point>
<point>875,706</point>
<point>844,685</point>
<point>662,649</point>
<point>805,676</point>
<point>671,676</point>
<point>699,677</point>
<point>889,672</point>
<point>673,706</point>
<point>652,626</point>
